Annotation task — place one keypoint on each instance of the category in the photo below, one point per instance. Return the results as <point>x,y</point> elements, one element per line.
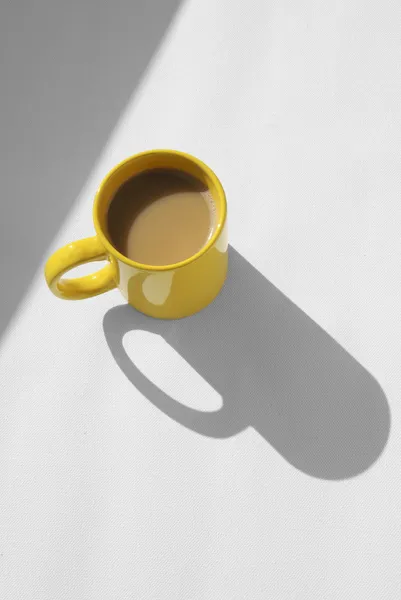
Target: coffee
<point>161,217</point>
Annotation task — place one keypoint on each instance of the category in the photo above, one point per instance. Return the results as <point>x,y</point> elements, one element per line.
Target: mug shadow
<point>276,370</point>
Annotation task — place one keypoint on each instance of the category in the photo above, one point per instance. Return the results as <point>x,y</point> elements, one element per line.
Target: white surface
<point>295,105</point>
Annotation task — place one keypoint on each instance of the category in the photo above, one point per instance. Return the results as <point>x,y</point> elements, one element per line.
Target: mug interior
<point>156,159</point>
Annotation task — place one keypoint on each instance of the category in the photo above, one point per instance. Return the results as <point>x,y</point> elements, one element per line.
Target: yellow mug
<point>166,292</point>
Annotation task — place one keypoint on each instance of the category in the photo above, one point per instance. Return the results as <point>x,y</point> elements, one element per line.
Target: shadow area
<point>276,370</point>
<point>67,71</point>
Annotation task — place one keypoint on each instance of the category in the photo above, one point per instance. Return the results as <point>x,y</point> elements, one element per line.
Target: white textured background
<point>109,490</point>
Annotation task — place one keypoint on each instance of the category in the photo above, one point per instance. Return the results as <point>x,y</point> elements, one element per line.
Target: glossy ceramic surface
<point>167,292</point>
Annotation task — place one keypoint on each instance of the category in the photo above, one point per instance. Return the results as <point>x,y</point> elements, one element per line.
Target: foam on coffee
<point>161,217</point>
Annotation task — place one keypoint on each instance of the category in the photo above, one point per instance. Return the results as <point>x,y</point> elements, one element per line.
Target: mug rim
<point>142,266</point>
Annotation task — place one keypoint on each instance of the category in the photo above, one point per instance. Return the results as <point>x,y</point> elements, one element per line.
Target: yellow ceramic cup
<point>167,292</point>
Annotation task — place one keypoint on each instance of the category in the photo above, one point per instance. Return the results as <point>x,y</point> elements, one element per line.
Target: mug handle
<point>75,254</point>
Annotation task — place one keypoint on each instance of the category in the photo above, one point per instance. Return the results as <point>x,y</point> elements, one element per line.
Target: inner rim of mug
<point>145,161</point>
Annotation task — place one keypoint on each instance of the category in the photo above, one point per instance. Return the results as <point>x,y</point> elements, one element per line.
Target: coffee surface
<point>161,217</point>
